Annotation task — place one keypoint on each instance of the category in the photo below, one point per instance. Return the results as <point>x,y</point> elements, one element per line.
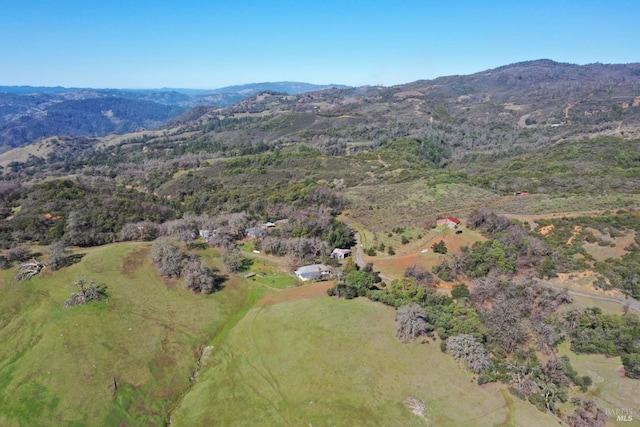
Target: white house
<point>449,221</point>
<point>313,272</point>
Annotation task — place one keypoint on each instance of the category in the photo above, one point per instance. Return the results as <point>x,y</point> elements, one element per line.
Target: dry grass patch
<point>614,248</point>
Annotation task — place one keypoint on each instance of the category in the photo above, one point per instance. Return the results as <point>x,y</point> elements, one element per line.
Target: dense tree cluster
<point>587,413</point>
<point>495,329</point>
<point>510,249</point>
<point>356,283</point>
<point>516,311</point>
<point>467,349</point>
<point>420,274</point>
<point>307,235</point>
<point>83,212</point>
<point>613,335</point>
<point>172,262</point>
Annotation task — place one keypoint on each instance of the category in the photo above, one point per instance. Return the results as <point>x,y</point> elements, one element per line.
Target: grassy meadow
<point>321,361</point>
<point>610,386</point>
<point>122,361</point>
<point>381,207</point>
<point>410,204</point>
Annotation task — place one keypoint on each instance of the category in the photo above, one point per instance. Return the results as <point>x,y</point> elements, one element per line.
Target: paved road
<point>358,258</point>
<point>633,304</point>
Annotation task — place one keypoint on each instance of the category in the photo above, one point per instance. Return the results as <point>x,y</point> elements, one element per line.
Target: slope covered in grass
<point>123,361</point>
<point>323,362</point>
<point>617,394</point>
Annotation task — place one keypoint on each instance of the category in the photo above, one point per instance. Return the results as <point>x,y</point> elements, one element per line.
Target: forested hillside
<point>30,113</point>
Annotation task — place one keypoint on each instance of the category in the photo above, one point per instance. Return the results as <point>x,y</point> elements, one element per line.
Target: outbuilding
<point>340,253</point>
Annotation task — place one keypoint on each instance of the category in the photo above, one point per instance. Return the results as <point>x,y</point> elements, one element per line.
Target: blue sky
<point>211,44</point>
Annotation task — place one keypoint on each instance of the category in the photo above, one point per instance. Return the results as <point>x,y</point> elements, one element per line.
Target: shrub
<point>440,247</point>
<point>460,291</point>
<point>631,364</point>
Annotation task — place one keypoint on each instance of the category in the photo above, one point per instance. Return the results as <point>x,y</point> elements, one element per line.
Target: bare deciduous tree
<point>200,278</point>
<point>87,292</point>
<point>233,260</point>
<point>485,218</point>
<point>587,414</point>
<point>411,322</point>
<point>168,257</point>
<point>28,269</point>
<point>58,255</point>
<point>185,229</point>
<point>144,230</point>
<point>18,253</point>
<point>422,276</point>
<point>466,348</point>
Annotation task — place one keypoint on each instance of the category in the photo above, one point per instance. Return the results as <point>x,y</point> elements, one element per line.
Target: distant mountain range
<point>28,113</point>
<point>510,109</point>
<point>513,107</point>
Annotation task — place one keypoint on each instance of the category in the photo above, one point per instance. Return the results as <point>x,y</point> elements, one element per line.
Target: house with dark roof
<point>255,232</point>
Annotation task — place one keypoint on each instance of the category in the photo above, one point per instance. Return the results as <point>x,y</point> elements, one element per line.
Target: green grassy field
<point>123,361</point>
<point>324,362</point>
<point>301,358</point>
<point>610,386</point>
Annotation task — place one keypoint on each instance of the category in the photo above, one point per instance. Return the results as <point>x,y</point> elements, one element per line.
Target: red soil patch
<point>394,266</point>
<point>313,290</point>
<point>546,230</point>
<point>576,232</point>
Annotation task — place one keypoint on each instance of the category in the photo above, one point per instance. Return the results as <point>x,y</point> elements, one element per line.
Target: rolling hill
<point>553,147</point>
